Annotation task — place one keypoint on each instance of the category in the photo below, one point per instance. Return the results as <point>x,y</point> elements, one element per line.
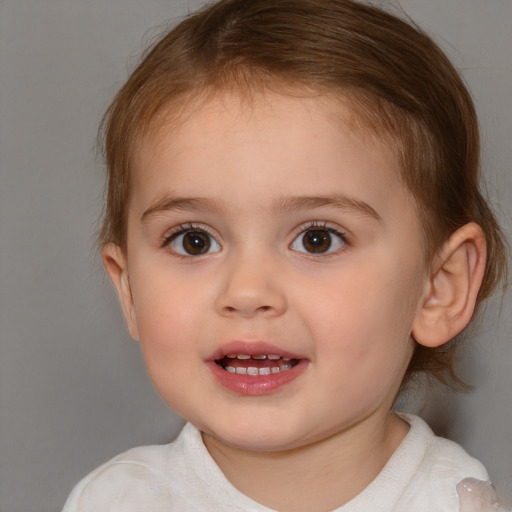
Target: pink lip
<point>254,385</point>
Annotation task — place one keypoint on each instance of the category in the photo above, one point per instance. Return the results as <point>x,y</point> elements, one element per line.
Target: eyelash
<point>320,226</point>
<point>183,229</point>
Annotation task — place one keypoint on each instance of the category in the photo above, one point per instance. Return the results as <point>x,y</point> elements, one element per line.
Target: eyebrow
<point>167,204</point>
<point>337,201</point>
<point>283,204</point>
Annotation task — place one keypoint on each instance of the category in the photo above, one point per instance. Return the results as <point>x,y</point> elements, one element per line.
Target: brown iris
<point>196,242</point>
<point>316,241</point>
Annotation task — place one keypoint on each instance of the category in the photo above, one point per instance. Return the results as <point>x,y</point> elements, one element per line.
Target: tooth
<point>241,371</point>
<point>275,369</point>
<point>261,356</point>
<point>231,356</point>
<point>274,357</point>
<point>252,371</point>
<point>230,369</point>
<point>264,371</point>
<point>287,358</point>
<point>243,356</point>
<point>285,367</point>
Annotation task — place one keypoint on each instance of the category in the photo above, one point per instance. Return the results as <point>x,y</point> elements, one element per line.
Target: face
<point>273,270</point>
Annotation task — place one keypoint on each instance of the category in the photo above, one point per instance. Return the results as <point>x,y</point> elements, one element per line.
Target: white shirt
<point>421,476</point>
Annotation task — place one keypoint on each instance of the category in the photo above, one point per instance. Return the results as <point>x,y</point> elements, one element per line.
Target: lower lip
<point>256,384</point>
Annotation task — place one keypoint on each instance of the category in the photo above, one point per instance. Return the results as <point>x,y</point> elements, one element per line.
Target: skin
<point>349,312</point>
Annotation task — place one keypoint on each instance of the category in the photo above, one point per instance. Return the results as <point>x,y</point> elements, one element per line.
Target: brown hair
<point>401,85</point>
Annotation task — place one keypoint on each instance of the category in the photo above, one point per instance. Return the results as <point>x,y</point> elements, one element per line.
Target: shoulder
<point>443,465</point>
<point>137,478</point>
<point>124,478</point>
<point>180,476</point>
<point>443,457</point>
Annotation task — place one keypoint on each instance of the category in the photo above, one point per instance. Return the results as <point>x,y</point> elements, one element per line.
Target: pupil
<point>196,243</point>
<point>317,241</point>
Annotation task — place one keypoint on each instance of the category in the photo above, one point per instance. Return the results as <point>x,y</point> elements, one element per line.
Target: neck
<point>320,476</point>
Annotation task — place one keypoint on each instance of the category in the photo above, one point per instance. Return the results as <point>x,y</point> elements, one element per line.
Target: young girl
<point>294,228</point>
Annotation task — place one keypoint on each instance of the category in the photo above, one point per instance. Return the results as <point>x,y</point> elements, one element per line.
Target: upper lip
<point>251,348</point>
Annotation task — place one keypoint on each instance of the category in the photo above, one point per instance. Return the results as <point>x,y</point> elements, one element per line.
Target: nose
<point>251,286</point>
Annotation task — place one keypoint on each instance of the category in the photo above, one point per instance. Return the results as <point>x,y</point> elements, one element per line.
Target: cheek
<point>365,315</point>
<point>167,324</point>
<point>166,308</point>
<point>168,320</point>
<point>363,345</point>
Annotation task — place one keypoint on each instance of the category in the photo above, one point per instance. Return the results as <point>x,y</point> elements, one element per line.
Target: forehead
<point>192,116</point>
<point>228,137</point>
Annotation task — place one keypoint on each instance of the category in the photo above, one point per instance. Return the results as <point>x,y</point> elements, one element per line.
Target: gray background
<point>73,390</point>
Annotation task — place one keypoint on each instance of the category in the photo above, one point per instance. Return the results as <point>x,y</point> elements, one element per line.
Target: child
<point>295,231</point>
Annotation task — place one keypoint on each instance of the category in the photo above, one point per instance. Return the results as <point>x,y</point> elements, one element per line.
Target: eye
<point>192,242</point>
<point>319,240</point>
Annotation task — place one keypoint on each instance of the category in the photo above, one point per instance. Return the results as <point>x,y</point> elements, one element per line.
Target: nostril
<point>246,301</point>
<point>232,309</point>
<point>248,310</point>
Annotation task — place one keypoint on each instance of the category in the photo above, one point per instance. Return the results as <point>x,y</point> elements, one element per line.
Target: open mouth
<point>261,364</point>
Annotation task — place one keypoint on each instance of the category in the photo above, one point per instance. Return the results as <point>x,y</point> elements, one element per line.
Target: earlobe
<point>452,288</point>
<point>114,260</point>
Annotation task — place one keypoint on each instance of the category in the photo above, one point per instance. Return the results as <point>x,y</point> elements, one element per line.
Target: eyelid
<point>321,226</point>
<point>185,227</point>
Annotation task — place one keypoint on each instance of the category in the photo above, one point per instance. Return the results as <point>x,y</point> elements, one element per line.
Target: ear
<point>114,260</point>
<point>452,288</point>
